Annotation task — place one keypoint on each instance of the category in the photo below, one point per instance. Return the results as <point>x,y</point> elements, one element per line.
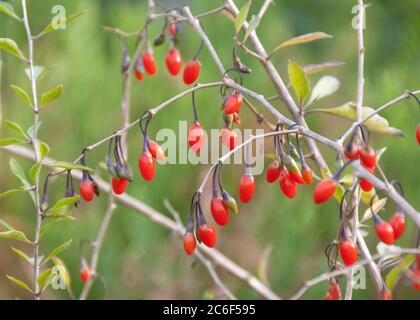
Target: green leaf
<point>11,192</point>
<point>22,93</point>
<point>62,22</point>
<point>7,9</point>
<point>339,193</point>
<point>375,124</point>
<point>10,141</point>
<point>299,81</point>
<point>44,149</point>
<point>19,283</point>
<point>11,47</point>
<point>376,206</point>
<point>69,166</point>
<point>253,25</point>
<point>305,38</point>
<point>395,273</point>
<point>6,225</point>
<point>59,212</point>
<point>35,170</point>
<point>23,255</point>
<point>51,95</point>
<point>14,234</point>
<point>45,278</point>
<point>241,17</point>
<point>314,68</point>
<point>16,127</point>
<point>18,172</point>
<point>58,250</point>
<point>62,269</point>
<point>64,202</point>
<point>39,71</point>
<point>326,86</point>
<point>50,224</point>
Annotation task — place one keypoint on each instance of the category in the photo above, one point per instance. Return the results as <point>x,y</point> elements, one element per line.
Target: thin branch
<point>156,217</point>
<point>264,8</point>
<point>38,217</point>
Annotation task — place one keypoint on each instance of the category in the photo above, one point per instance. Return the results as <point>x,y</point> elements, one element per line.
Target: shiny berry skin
<point>196,137</point>
<point>172,29</point>
<point>368,157</point>
<point>173,61</point>
<point>236,119</point>
<point>324,190</point>
<point>233,103</point>
<point>229,138</point>
<point>307,175</point>
<point>352,151</point>
<point>328,297</point>
<point>416,279</point>
<point>287,185</point>
<point>219,211</point>
<point>418,133</point>
<point>398,224</point>
<point>296,177</point>
<point>207,235</point>
<point>149,62</point>
<point>246,188</point>
<point>138,74</point>
<point>365,185</point>
<point>119,185</point>
<point>155,150</point>
<point>85,274</point>
<point>87,189</point>
<point>191,71</point>
<point>147,165</point>
<point>335,291</point>
<point>189,243</point>
<point>273,171</point>
<point>348,252</point>
<point>384,231</point>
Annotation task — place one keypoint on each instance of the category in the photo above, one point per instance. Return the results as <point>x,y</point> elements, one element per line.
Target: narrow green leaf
<point>45,278</point>
<point>7,9</point>
<point>17,128</point>
<point>61,23</point>
<point>14,234</point>
<point>253,25</point>
<point>35,170</point>
<point>11,47</point>
<point>19,283</point>
<point>51,95</point>
<point>395,273</point>
<point>6,225</point>
<point>376,123</point>
<point>50,224</point>
<point>241,17</point>
<point>305,38</point>
<point>326,86</point>
<point>299,81</point>
<point>69,166</point>
<point>40,72</point>
<point>339,193</point>
<point>314,68</point>
<point>22,93</point>
<point>44,149</point>
<point>17,170</point>
<point>65,202</point>
<point>59,212</point>
<point>23,255</point>
<point>10,141</point>
<point>58,250</point>
<point>11,192</point>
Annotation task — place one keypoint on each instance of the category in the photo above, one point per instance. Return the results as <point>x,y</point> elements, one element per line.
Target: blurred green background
<point>139,259</point>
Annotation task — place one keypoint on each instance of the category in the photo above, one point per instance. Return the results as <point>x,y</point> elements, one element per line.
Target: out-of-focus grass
<point>140,259</point>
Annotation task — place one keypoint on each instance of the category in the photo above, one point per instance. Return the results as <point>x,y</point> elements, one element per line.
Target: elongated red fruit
<point>296,176</point>
<point>348,252</point>
<point>87,189</point>
<point>219,211</point>
<point>229,138</point>
<point>196,137</point>
<point>191,71</point>
<point>149,62</point>
<point>386,294</point>
<point>246,188</point>
<point>324,190</point>
<point>398,224</point>
<point>287,185</point>
<point>147,165</point>
<point>368,157</point>
<point>173,61</point>
<point>418,133</point>
<point>335,291</point>
<point>208,235</point>
<point>119,185</point>
<point>307,175</point>
<point>384,230</point>
<point>189,243</point>
<point>138,74</point>
<point>172,29</point>
<point>155,150</point>
<point>85,274</point>
<point>352,151</point>
<point>273,171</point>
<point>233,103</point>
